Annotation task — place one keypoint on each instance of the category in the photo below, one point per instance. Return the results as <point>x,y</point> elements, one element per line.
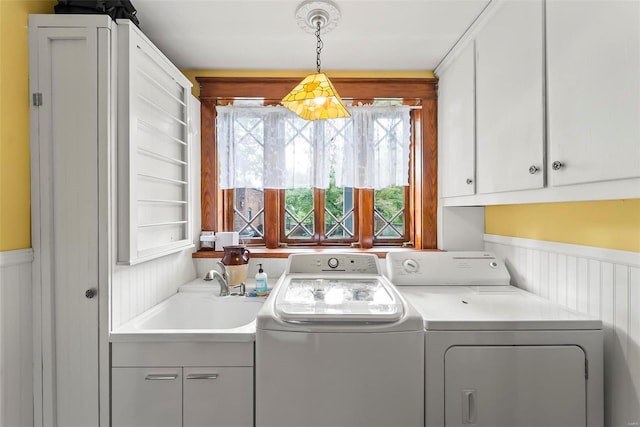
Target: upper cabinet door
<point>456,125</point>
<point>510,105</point>
<point>593,61</point>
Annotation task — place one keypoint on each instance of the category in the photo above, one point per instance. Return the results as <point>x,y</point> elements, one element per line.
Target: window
<point>332,213</point>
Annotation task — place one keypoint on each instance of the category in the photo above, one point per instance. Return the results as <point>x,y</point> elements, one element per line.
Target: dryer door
<point>518,386</point>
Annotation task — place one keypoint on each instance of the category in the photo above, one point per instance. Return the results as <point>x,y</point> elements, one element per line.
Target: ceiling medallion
<point>312,11</point>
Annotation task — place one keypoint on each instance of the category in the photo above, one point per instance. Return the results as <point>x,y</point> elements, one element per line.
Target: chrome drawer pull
<point>202,376</point>
<point>161,377</point>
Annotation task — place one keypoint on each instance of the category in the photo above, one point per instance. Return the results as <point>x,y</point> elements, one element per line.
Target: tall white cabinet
<point>71,116</point>
<point>74,83</point>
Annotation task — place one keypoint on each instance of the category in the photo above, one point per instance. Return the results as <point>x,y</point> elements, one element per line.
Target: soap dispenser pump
<point>261,282</point>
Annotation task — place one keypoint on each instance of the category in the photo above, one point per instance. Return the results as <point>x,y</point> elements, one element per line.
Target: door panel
<point>221,396</point>
<point>146,397</point>
<point>593,61</point>
<point>510,107</point>
<point>69,232</point>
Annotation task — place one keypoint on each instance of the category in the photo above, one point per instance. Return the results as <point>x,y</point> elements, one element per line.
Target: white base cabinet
<point>175,384</point>
<point>182,396</point>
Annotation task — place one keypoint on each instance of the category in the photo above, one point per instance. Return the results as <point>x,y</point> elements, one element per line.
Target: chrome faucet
<point>222,278</point>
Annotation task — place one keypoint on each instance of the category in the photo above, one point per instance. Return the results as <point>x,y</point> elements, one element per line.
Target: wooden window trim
<point>215,90</point>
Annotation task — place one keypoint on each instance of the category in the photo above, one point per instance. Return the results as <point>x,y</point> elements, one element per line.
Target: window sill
<point>262,252</point>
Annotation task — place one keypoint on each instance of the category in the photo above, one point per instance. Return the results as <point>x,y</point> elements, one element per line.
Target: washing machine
<point>337,345</point>
<point>496,355</point>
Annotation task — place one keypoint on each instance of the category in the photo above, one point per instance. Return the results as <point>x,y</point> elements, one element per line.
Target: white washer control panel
<point>415,268</point>
<point>333,263</point>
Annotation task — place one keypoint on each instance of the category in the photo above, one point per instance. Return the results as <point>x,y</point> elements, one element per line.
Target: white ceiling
<point>373,35</point>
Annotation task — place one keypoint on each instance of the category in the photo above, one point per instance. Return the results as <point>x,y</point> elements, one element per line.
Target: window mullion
<point>272,217</point>
<point>318,215</point>
<point>228,205</point>
<point>365,217</point>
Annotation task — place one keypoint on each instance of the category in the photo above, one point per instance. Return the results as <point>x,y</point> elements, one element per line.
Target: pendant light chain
<point>318,45</point>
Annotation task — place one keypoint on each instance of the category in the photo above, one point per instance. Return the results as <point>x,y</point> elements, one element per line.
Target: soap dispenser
<point>261,282</point>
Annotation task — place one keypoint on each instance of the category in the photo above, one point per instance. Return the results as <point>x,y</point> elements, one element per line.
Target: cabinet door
<point>456,125</point>
<point>515,386</point>
<point>593,61</point>
<point>510,109</point>
<point>65,138</point>
<point>146,397</point>
<point>218,397</point>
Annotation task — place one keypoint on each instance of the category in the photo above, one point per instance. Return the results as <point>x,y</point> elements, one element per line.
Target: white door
<point>510,107</point>
<point>65,171</point>
<point>221,396</point>
<point>515,386</point>
<point>456,125</point>
<point>593,62</point>
<point>146,397</point>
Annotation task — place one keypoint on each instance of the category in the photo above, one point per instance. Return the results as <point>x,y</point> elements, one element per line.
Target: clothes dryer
<point>496,355</point>
<point>337,345</point>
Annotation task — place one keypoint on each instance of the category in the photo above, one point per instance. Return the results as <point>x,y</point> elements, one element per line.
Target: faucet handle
<point>243,289</point>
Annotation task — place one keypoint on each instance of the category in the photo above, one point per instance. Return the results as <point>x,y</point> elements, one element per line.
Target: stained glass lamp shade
<point>315,98</point>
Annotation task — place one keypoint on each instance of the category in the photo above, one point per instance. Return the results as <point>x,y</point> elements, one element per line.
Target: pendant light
<point>315,98</point>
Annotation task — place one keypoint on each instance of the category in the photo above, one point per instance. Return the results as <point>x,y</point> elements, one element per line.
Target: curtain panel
<point>271,147</point>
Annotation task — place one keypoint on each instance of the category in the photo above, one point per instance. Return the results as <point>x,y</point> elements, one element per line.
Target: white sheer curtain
<point>271,147</point>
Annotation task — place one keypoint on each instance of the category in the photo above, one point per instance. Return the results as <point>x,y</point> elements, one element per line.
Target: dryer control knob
<point>410,265</point>
<point>333,262</point>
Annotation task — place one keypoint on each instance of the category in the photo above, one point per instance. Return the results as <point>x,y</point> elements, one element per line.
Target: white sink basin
<point>190,314</point>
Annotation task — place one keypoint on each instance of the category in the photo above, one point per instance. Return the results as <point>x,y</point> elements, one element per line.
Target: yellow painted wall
<point>15,215</point>
<point>612,224</point>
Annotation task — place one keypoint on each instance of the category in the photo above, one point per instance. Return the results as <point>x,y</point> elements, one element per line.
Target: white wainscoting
<point>137,288</point>
<point>16,339</point>
<point>601,282</point>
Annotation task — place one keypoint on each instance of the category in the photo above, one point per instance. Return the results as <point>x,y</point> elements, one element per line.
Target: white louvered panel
<point>152,138</point>
<point>16,338</point>
<point>603,283</point>
<point>161,120</point>
<point>154,152</point>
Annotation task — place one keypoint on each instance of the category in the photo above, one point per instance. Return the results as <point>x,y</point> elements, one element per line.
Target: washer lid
<point>337,300</point>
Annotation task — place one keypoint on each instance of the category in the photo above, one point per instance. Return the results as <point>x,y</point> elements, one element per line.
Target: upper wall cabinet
<point>510,102</point>
<point>593,63</point>
<point>557,104</point>
<point>153,151</point>
<point>456,126</point>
